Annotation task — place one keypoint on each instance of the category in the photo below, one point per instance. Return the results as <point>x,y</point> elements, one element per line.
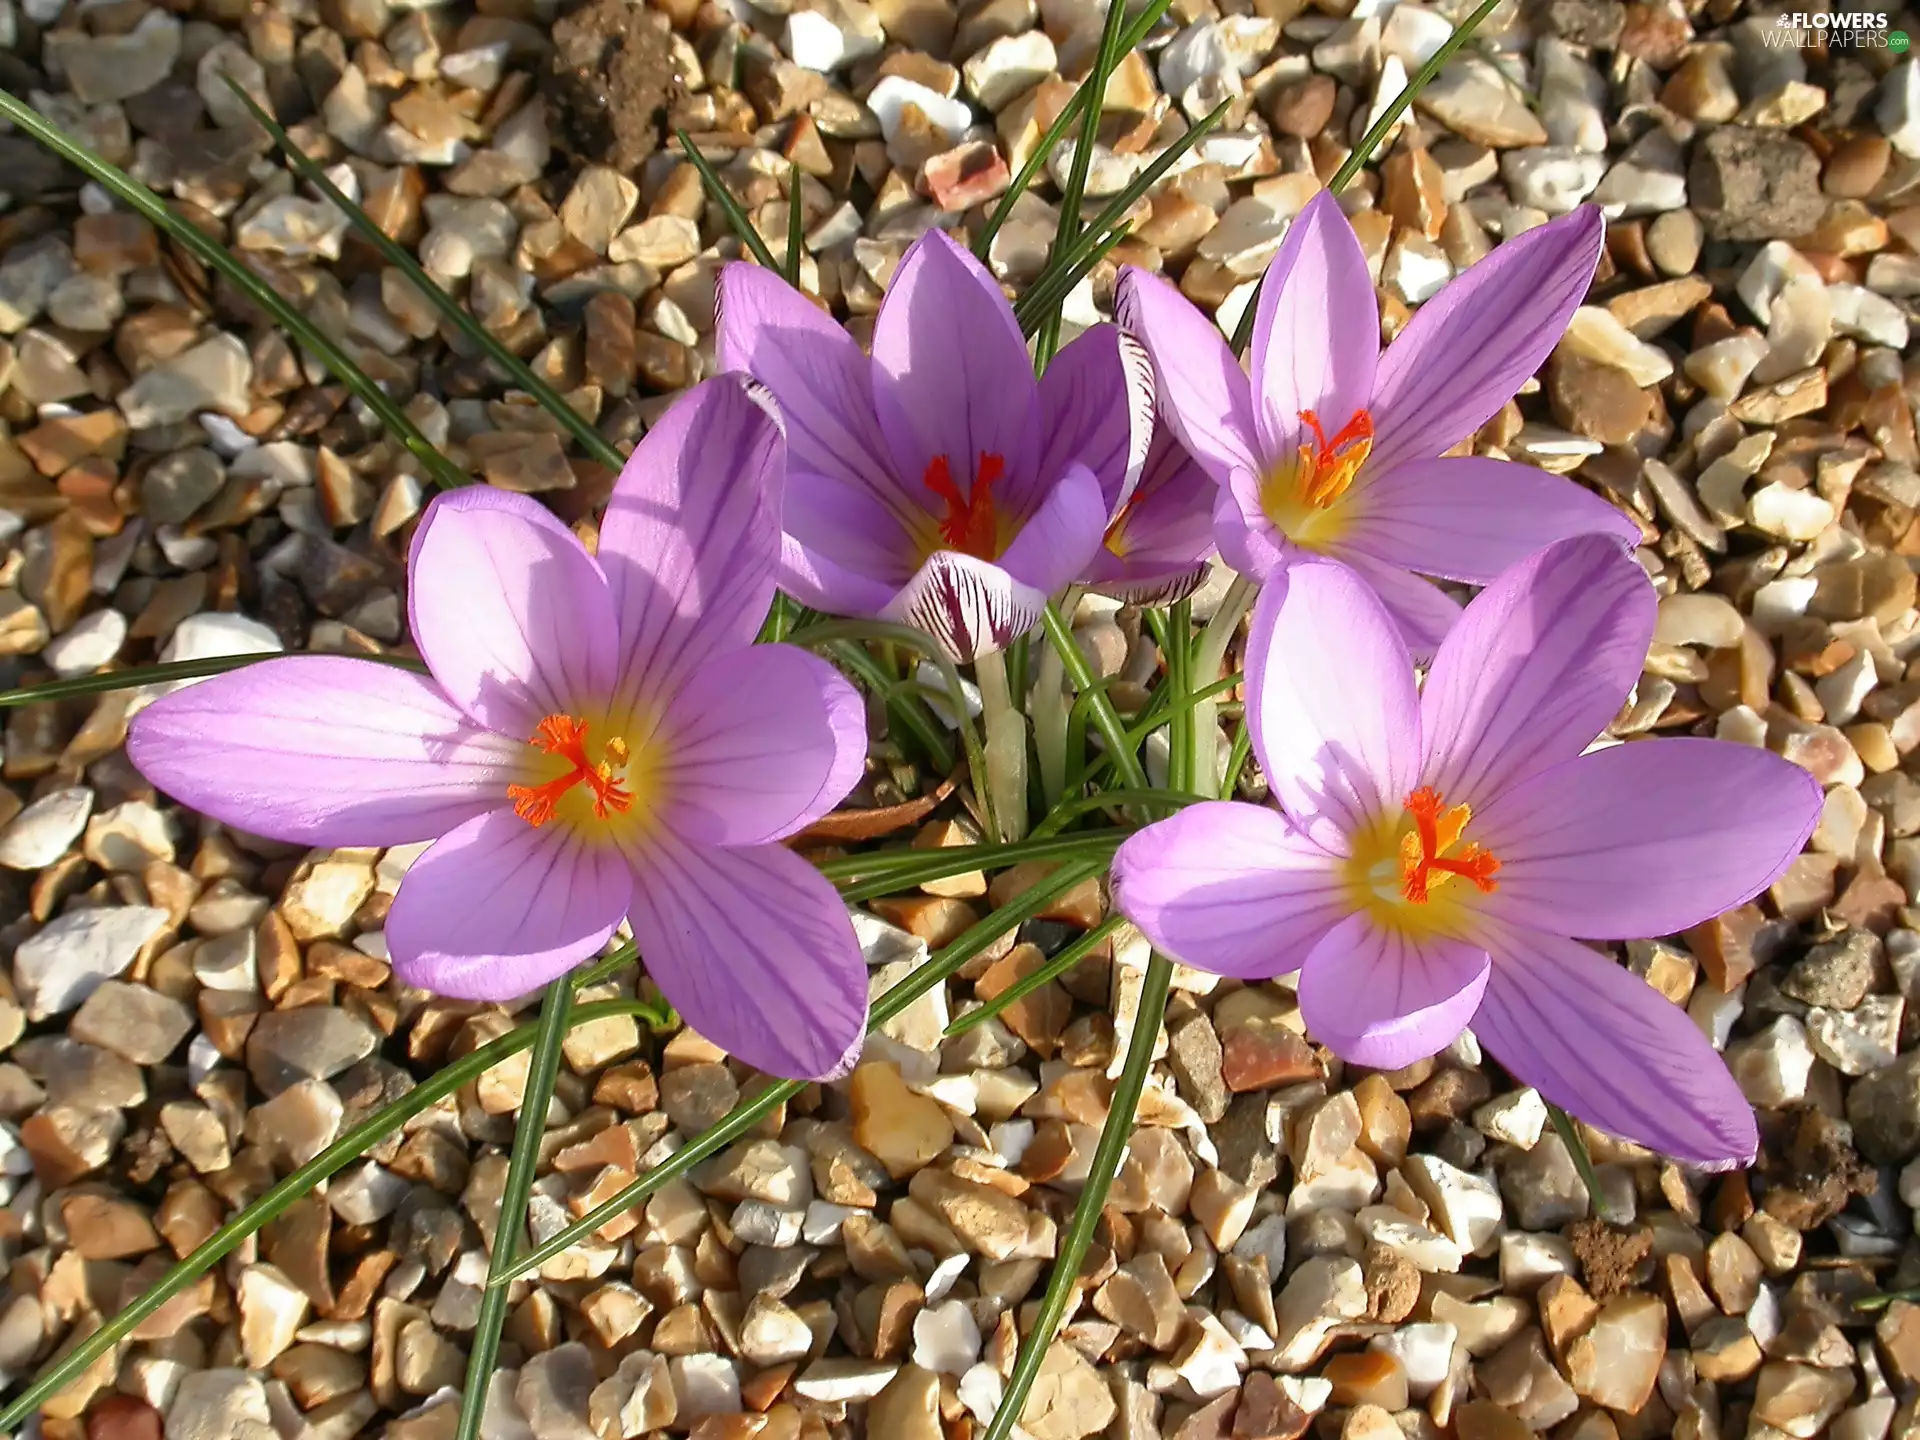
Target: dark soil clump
<point>611,81</point>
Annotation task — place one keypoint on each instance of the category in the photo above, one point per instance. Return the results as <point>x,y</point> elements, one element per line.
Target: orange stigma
<point>1327,467</point>
<point>1424,862</point>
<point>970,525</point>
<point>565,736</point>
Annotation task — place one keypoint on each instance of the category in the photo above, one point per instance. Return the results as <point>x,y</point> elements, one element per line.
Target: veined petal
<point>510,612</point>
<point>324,750</point>
<point>1470,518</point>
<point>1096,406</point>
<point>1229,888</point>
<point>1421,611</point>
<point>820,378</point>
<point>1246,539</point>
<point>1536,668</point>
<point>1063,536</point>
<point>1316,332</point>
<point>1202,391</point>
<point>972,607</point>
<point>756,952</point>
<point>1469,349</point>
<point>1647,838</point>
<point>498,908</point>
<point>1331,701</point>
<point>692,534</point>
<point>841,523</point>
<point>1385,998</point>
<point>818,581</point>
<point>1609,1049</point>
<point>761,742</point>
<point>951,373</point>
<point>1164,534</point>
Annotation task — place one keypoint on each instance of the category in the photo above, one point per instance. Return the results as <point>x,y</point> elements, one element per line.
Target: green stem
<point>229,1236</point>
<point>1008,917</point>
<point>398,256</point>
<point>1050,711</point>
<point>1070,955</point>
<point>796,228</point>
<point>1237,761</point>
<point>1209,655</point>
<point>1105,717</point>
<point>1107,1156</point>
<point>1004,793</point>
<point>1375,136</point>
<point>441,470</point>
<point>543,1067</point>
<point>1178,653</point>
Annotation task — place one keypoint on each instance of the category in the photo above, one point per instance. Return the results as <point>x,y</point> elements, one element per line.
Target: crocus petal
<point>756,952</point>
<point>1469,349</point>
<point>1421,611</point>
<point>951,375</point>
<point>324,750</point>
<point>511,613</point>
<point>1646,838</point>
<point>1203,393</point>
<point>1096,406</point>
<point>1536,668</point>
<point>1316,331</point>
<point>692,534</point>
<point>820,378</point>
<point>1157,550</point>
<point>1332,703</point>
<point>972,607</point>
<point>824,584</point>
<point>1470,518</point>
<point>1063,536</point>
<point>1247,540</point>
<point>497,908</point>
<point>1229,888</point>
<point>841,523</point>
<point>1609,1049</point>
<point>760,743</point>
<point>1384,998</point>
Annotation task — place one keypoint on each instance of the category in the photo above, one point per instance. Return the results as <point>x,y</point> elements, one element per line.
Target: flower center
<point>1425,863</point>
<point>970,524</point>
<point>1118,541</point>
<point>565,737</point>
<point>1300,494</point>
<point>1401,870</point>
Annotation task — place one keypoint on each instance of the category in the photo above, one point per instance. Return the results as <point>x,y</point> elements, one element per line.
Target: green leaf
<point>1236,761</point>
<point>543,1068</point>
<point>138,197</point>
<point>138,675</point>
<point>1069,115</point>
<point>228,1237</point>
<point>1069,956</point>
<point>959,859</point>
<point>745,1116</point>
<point>1107,1157</point>
<point>1375,137</point>
<point>398,256</point>
<point>1576,1145</point>
<point>721,196</point>
<point>796,229</point>
<point>1105,718</point>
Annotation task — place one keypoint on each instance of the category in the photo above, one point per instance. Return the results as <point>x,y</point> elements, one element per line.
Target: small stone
<point>214,375</point>
<point>1884,1109</point>
<point>555,1392</point>
<point>87,645</point>
<point>1799,1399</point>
<point>1616,1362</point>
<point>219,1405</point>
<point>946,1338</point>
<point>73,953</point>
<point>771,1334</point>
<point>1751,184</point>
<point>139,1024</point>
<point>314,1042</point>
<point>41,833</point>
<point>272,1309</point>
<point>1069,1399</point>
<point>902,1130</point>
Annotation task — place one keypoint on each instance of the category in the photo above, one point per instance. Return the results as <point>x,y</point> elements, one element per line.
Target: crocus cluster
<point>598,741</point>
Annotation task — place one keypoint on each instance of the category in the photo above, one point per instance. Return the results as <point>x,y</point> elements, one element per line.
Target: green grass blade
<point>544,1066</point>
<point>1107,228</point>
<point>1069,956</point>
<point>223,1241</point>
<point>721,196</point>
<point>1073,807</point>
<point>1105,56</point>
<point>916,719</point>
<point>1178,649</point>
<point>1236,761</point>
<point>1093,1198</point>
<point>796,229</point>
<point>1069,114</point>
<point>1094,843</point>
<point>1569,1134</point>
<point>1375,136</point>
<point>1105,718</point>
<point>710,1142</point>
<point>138,675</point>
<point>398,256</point>
<point>138,197</point>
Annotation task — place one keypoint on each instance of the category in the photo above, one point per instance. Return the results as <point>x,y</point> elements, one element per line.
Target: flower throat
<point>970,525</point>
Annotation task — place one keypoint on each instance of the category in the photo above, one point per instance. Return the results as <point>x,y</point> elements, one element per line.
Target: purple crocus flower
<point>1439,846</point>
<point>1333,447</point>
<point>1161,532</point>
<point>937,483</point>
<point>599,741</point>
